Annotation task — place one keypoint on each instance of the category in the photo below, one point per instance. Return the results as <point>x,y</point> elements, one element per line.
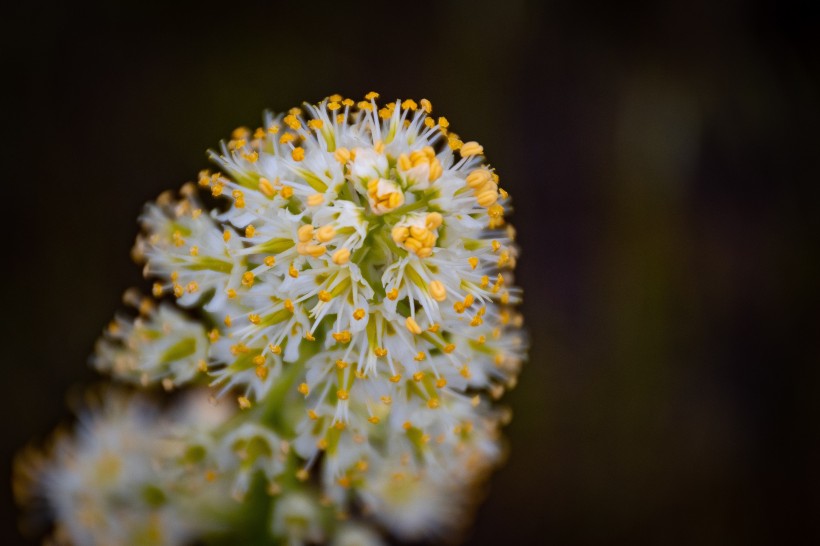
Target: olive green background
<point>663,161</point>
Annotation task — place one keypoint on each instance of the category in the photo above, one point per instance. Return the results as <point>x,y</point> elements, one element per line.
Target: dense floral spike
<point>346,278</point>
<point>361,270</point>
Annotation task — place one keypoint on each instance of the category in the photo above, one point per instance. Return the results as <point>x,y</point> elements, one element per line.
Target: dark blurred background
<point>663,159</point>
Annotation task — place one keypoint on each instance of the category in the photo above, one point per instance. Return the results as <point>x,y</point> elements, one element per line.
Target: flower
<point>347,275</point>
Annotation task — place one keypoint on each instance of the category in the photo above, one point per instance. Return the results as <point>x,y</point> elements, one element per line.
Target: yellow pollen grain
<point>298,153</point>
<point>270,260</point>
<point>231,293</point>
<point>449,348</point>
<point>192,287</point>
<point>395,378</point>
<point>228,321</point>
<point>178,290</point>
<point>342,337</point>
<point>441,383</point>
<point>418,376</point>
<point>380,351</point>
<point>286,192</point>
<point>393,294</point>
<point>156,290</point>
<point>433,403</point>
<point>262,372</point>
<point>250,231</point>
<point>292,271</point>
<point>259,360</point>
<point>304,389</point>
<point>254,318</point>
<point>305,233</point>
<point>247,279</point>
<point>386,400</point>
<point>213,335</point>
<point>275,349</point>
<point>312,415</point>
<point>426,106</point>
<point>342,394</point>
<point>288,304</point>
<point>341,364</point>
<point>473,261</point>
<point>371,96</point>
<point>324,295</point>
<point>226,235</point>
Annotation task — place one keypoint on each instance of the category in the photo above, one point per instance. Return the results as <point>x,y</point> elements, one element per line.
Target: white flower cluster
<point>351,284</point>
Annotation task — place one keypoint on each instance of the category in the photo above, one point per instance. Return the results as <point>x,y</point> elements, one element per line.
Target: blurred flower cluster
<point>336,304</point>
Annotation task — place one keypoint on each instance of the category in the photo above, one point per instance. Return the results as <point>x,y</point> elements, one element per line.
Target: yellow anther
<point>262,372</point>
<point>426,106</point>
<point>216,189</point>
<point>174,276</point>
<point>407,425</point>
<point>304,233</point>
<point>244,403</point>
<point>449,348</point>
<point>202,366</point>
<point>259,133</point>
<point>196,213</point>
<point>156,290</point>
<point>393,294</point>
<point>487,198</point>
<point>273,129</point>
<point>358,314</point>
<point>418,233</point>
<point>503,259</point>
<point>270,260</point>
<point>226,235</point>
<point>250,231</point>
<point>437,290</point>
<point>322,444</point>
<point>292,122</point>
<point>435,327</point>
<point>429,122</point>
<point>316,124</point>
<point>251,157</point>
<point>287,137</point>
<point>473,261</point>
<point>213,335</point>
<point>254,318</point>
<point>288,304</point>
<point>342,337</point>
<point>498,359</point>
<point>286,192</point>
<point>266,188</point>
<point>433,220</point>
<point>177,239</point>
<point>194,251</point>
<point>275,349</point>
<point>333,106</point>
<point>344,482</point>
<point>309,336</point>
<point>231,293</point>
<point>409,104</point>
<point>371,96</point>
<point>374,420</point>
<point>418,376</point>
<point>342,155</point>
<point>485,281</point>
<point>342,394</point>
<point>458,307</point>
<point>385,113</point>
<point>312,415</point>
<point>298,153</point>
<point>412,244</point>
<point>432,403</point>
<point>477,321</point>
<point>412,325</point>
<point>505,297</point>
<point>341,256</point>
<point>259,360</point>
<point>380,351</point>
<point>304,389</point>
<point>324,295</point>
<point>302,474</point>
<point>386,400</point>
<point>395,378</point>
<point>247,279</point>
<point>316,199</point>
<point>442,122</point>
<point>325,233</point>
<point>192,287</point>
<point>341,364</point>
<point>228,321</point>
<point>471,148</point>
<point>178,290</point>
<point>468,300</point>
<point>465,372</point>
<point>399,234</point>
<point>478,178</point>
<point>404,162</point>
<point>441,383</point>
<point>292,271</point>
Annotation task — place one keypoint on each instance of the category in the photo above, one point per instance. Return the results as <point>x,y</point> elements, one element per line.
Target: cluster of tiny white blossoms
<point>346,274</point>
